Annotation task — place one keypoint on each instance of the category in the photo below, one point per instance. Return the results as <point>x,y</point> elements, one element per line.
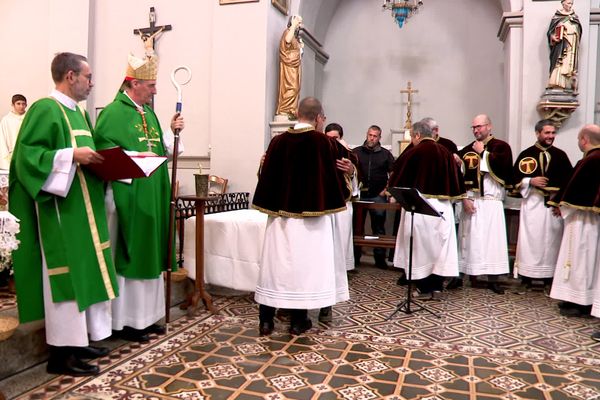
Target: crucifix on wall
<point>150,35</point>
<point>152,30</point>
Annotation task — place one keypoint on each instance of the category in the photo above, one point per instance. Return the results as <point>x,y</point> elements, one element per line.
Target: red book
<point>559,31</point>
<point>119,165</point>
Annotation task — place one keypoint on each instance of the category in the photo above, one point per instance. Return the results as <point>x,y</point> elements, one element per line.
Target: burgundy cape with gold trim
<point>447,143</point>
<point>583,190</point>
<point>430,168</point>
<point>532,163</point>
<point>499,163</point>
<point>299,177</point>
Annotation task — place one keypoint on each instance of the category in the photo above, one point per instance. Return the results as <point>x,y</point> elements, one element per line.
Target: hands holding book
<point>115,164</point>
<point>85,155</point>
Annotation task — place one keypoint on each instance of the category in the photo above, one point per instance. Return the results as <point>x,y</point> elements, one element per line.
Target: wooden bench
<point>359,207</point>
<point>389,241</point>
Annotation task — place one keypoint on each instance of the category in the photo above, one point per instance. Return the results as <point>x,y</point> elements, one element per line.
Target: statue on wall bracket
<point>290,69</point>
<point>564,35</point>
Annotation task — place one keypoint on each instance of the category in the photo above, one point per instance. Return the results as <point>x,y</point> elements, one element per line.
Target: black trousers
<point>267,313</point>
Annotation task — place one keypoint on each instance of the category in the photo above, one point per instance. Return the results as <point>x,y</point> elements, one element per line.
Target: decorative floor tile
<point>484,346</point>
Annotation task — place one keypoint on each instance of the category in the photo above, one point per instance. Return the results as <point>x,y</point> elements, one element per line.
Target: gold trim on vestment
<point>81,132</point>
<point>301,130</point>
<point>580,208</point>
<point>494,176</point>
<point>57,271</point>
<point>303,214</point>
<point>445,197</point>
<point>90,214</point>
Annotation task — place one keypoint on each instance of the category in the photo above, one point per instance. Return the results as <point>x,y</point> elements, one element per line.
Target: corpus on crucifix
<point>150,35</point>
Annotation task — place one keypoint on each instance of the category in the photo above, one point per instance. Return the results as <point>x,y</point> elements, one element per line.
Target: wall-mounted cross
<point>151,33</point>
<point>152,29</point>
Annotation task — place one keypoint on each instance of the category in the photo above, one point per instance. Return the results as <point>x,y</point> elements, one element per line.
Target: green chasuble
<point>73,229</point>
<point>143,205</point>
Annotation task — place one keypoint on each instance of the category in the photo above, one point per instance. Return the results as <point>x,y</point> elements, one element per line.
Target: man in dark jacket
<point>375,164</point>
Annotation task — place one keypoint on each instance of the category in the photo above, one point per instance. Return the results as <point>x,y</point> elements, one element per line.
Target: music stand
<point>412,202</point>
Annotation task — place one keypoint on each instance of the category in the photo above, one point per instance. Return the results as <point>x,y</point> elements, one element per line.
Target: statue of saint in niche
<point>564,35</point>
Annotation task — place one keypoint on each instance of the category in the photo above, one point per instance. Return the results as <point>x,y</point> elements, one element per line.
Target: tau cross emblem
<point>472,160</point>
<point>528,165</point>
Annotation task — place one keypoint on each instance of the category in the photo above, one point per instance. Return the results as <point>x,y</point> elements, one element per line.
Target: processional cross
<point>409,90</point>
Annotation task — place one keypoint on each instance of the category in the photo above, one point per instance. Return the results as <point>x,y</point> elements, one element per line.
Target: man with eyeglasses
<point>487,168</point>
<point>64,271</point>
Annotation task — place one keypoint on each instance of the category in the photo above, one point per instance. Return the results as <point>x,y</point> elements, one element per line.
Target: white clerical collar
<point>64,99</point>
<point>302,125</point>
<point>141,108</point>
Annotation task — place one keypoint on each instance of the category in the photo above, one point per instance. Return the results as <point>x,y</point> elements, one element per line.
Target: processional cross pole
<point>150,35</point>
<point>409,90</point>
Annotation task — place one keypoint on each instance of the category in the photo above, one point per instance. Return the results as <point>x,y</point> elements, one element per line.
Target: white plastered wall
<point>456,63</point>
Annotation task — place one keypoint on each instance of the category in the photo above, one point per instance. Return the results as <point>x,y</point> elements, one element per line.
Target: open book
<point>118,164</point>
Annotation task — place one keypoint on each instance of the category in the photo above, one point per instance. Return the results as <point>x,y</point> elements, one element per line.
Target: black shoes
<point>157,329</point>
<point>454,283</point>
<point>402,281</point>
<point>494,287</point>
<point>299,327</point>
<point>63,361</point>
<point>574,310</point>
<point>133,335</point>
<point>326,314</point>
<point>89,352</point>
<point>265,328</point>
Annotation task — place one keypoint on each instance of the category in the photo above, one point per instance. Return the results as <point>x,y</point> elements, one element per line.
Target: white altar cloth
<point>233,243</point>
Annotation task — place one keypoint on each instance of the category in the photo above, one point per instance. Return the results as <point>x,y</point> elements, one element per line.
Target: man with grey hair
<point>430,168</point>
<point>435,129</point>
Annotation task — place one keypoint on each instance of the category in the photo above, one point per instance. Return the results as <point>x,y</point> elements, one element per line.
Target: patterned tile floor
<point>484,346</point>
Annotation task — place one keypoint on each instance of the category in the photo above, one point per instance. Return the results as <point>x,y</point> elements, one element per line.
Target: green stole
<point>73,229</point>
<point>143,205</point>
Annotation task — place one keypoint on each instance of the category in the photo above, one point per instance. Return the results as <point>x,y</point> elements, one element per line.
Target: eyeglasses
<point>88,76</point>
<point>478,126</point>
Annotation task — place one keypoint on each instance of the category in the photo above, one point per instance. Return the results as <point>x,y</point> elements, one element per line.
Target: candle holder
<point>201,185</point>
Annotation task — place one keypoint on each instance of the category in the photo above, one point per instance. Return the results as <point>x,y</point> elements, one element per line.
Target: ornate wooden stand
<point>199,292</point>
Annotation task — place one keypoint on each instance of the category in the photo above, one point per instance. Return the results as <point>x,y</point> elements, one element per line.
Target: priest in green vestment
<point>63,267</point>
<point>138,209</point>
